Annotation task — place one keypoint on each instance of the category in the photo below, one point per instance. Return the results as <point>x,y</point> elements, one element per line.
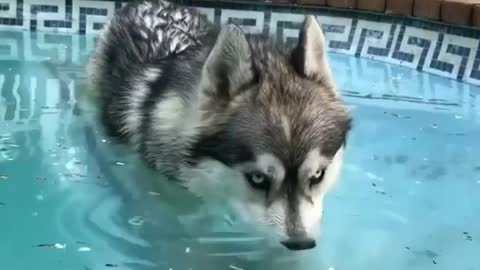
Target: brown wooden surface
<point>313,2</point>
<point>476,15</point>
<point>372,5</point>
<point>342,3</point>
<point>399,7</point>
<point>456,12</point>
<point>429,9</point>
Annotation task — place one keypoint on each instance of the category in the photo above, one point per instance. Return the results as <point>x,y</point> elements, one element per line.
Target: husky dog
<point>251,123</point>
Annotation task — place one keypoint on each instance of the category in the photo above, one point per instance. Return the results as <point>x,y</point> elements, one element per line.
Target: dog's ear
<point>309,58</point>
<point>229,66</point>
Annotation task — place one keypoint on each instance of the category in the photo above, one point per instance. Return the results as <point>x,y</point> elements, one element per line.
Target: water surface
<point>408,197</point>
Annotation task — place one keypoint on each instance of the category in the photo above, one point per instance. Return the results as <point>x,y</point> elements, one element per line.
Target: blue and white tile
<point>240,16</point>
<point>472,71</point>
<point>448,58</point>
<point>283,33</point>
<point>108,7</point>
<point>40,17</point>
<point>376,35</point>
<point>209,12</point>
<point>15,22</point>
<point>413,48</point>
<point>338,31</point>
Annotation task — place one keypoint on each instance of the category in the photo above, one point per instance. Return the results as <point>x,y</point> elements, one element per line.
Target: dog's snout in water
<point>299,243</point>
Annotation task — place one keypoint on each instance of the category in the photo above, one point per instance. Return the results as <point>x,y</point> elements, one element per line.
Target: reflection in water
<point>63,181</point>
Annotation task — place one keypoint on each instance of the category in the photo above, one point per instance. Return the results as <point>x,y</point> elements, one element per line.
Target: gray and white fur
<point>248,122</point>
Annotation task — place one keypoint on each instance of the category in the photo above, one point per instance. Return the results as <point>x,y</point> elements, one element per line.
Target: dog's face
<point>277,132</point>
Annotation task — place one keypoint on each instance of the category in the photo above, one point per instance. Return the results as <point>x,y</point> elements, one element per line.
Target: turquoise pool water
<point>71,199</point>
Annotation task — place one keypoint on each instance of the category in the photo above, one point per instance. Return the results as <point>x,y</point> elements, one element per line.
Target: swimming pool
<point>71,199</point>
<point>407,197</point>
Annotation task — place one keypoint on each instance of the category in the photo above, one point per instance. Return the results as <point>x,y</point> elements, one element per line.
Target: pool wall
<point>434,47</point>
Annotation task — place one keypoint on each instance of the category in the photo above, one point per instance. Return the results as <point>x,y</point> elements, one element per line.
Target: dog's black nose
<point>299,243</point>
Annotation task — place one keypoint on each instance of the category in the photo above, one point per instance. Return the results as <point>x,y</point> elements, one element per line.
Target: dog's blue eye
<point>317,178</point>
<point>258,180</point>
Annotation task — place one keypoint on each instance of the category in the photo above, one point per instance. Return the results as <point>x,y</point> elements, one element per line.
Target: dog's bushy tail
<point>141,34</point>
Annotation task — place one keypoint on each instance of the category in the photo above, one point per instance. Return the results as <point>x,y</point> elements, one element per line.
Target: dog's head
<point>277,129</point>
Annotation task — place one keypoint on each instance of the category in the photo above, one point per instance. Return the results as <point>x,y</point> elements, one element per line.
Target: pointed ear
<point>229,65</point>
<point>309,58</point>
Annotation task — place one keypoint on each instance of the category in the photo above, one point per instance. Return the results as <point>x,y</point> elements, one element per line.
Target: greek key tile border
<point>436,48</point>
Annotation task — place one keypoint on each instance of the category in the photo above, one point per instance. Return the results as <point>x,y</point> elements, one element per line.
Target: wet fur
<point>203,105</point>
